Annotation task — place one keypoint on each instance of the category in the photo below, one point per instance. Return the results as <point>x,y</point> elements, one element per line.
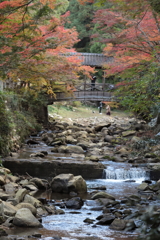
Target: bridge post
<point>85,83</point>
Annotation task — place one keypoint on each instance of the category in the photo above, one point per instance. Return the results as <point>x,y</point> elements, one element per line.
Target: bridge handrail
<point>85,86</point>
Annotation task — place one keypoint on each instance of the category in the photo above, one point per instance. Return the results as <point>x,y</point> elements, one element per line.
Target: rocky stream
<point>87,179</point>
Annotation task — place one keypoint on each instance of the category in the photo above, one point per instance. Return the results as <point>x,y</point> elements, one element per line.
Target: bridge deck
<point>83,95</point>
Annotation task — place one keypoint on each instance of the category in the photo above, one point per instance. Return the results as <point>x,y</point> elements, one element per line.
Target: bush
<point>15,122</point>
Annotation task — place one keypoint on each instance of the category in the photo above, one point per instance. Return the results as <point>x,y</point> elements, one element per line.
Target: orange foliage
<point>34,49</point>
<point>137,39</point>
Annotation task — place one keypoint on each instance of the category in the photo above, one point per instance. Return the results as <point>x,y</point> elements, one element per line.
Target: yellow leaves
<point>108,48</point>
<point>51,3</point>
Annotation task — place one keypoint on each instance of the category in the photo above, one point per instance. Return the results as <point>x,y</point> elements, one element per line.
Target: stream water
<point>120,179</point>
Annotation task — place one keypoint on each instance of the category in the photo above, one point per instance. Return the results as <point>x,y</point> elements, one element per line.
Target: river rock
<point>71,149</point>
<point>10,188</point>
<point>143,186</point>
<point>41,184</point>
<point>99,127</point>
<point>4,171</point>
<point>102,195</point>
<point>108,138</point>
<point>106,219</point>
<point>2,180</point>
<point>65,183</point>
<point>92,158</point>
<point>12,178</point>
<point>77,184</point>
<point>74,203</point>
<point>30,199</point>
<point>38,154</point>
<point>74,149</point>
<point>41,211</point>
<point>135,139</point>
<point>88,220</point>
<point>84,144</point>
<point>105,201</point>
<point>7,209</point>
<point>20,194</point>
<point>155,187</point>
<point>123,151</point>
<point>4,196</point>
<point>118,224</point>
<point>128,133</point>
<point>28,206</point>
<point>24,218</point>
<point>70,140</point>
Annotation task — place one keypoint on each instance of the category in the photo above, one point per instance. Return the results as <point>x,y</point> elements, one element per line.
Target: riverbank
<point>78,110</point>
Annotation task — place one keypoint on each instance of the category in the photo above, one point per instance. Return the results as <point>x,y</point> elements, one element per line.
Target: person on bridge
<point>93,80</point>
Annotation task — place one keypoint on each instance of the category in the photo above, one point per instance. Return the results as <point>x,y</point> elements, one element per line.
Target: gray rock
<point>20,194</point>
<point>102,195</point>
<point>28,206</point>
<point>118,224</point>
<point>106,219</point>
<point>41,184</point>
<point>74,203</point>
<point>29,199</point>
<point>65,183</point>
<point>24,218</point>
<point>7,209</point>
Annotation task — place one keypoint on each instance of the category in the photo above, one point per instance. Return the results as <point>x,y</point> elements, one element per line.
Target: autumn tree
<point>33,38</point>
<point>130,31</point>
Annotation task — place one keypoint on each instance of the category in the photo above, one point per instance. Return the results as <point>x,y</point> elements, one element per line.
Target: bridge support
<point>41,114</point>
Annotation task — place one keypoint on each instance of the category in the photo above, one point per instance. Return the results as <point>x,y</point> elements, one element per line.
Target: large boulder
<point>7,209</point>
<point>25,218</point>
<point>74,149</point>
<point>65,183</point>
<point>28,206</point>
<point>70,149</point>
<point>77,184</point>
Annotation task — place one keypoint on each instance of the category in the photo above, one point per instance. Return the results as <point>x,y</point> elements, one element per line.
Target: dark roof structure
<point>91,59</point>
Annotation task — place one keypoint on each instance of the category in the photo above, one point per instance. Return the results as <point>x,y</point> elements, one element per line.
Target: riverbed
<point>119,179</point>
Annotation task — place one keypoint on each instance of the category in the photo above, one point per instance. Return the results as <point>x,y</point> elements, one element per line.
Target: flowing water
<point>119,179</point>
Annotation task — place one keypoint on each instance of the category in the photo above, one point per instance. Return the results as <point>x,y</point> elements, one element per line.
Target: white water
<point>124,174</point>
<point>119,179</point>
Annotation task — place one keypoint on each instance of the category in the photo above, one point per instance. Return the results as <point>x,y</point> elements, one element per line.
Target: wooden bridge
<point>84,93</point>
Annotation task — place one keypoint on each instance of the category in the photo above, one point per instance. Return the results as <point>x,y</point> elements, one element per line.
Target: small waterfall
<point>124,174</point>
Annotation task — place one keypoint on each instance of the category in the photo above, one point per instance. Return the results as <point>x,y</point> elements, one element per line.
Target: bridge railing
<point>84,92</point>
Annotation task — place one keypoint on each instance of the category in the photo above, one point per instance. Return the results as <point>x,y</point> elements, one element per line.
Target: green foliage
<point>5,126</point>
<point>139,92</point>
<point>97,47</point>
<point>155,4</point>
<point>76,103</point>
<point>150,228</point>
<point>81,17</point>
<point>16,122</point>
